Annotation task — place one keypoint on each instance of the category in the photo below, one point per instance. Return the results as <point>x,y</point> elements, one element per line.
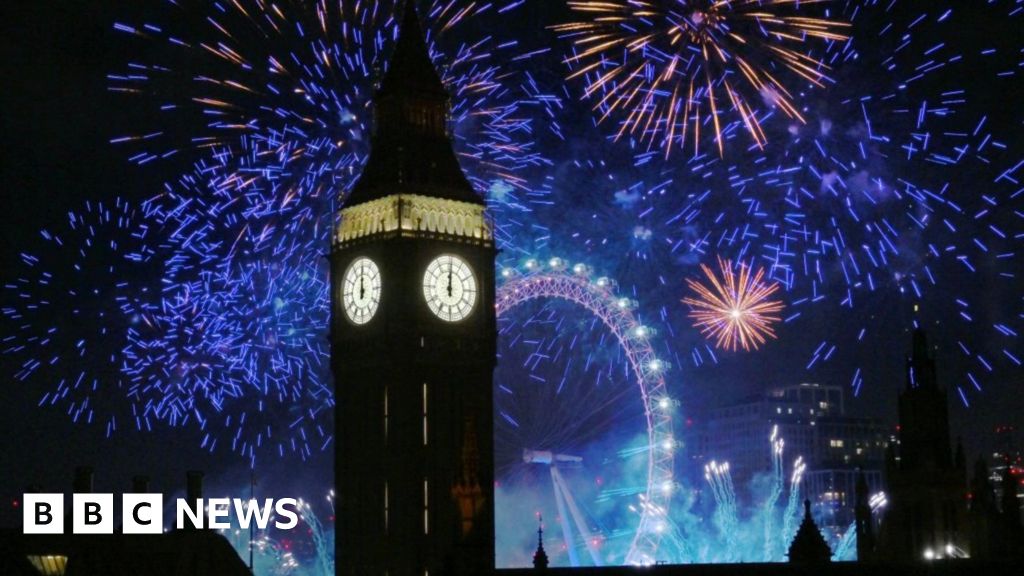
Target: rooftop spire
<point>411,68</point>
<point>920,364</point>
<point>411,152</point>
<point>920,344</point>
<point>809,546</point>
<point>863,524</point>
<point>540,557</point>
<point>861,490</point>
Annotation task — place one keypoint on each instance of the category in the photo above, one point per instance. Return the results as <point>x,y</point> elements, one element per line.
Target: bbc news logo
<point>144,513</point>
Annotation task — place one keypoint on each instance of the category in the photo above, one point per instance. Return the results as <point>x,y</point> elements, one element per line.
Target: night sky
<point>58,119</point>
<point>58,123</point>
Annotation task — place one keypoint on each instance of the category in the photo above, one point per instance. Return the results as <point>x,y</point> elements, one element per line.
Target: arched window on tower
<point>425,428</point>
<point>426,506</point>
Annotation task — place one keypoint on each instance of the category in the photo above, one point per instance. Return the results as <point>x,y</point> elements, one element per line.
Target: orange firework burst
<point>668,67</point>
<point>734,310</point>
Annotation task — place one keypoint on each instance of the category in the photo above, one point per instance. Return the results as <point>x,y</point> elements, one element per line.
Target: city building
<point>811,419</point>
<point>413,341</point>
<point>1007,458</point>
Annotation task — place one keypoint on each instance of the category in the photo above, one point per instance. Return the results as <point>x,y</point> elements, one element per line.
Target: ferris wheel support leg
<point>577,517</point>
<point>563,519</point>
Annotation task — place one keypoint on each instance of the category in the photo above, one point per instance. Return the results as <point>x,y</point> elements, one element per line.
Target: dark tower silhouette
<point>864,523</point>
<point>923,412</point>
<point>927,487</point>
<point>413,341</point>
<point>984,516</point>
<point>960,457</point>
<point>809,546</point>
<point>1009,504</point>
<point>540,556</point>
<point>1009,535</point>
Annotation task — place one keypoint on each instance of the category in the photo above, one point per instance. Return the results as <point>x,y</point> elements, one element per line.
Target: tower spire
<point>809,546</point>
<point>920,364</point>
<point>413,339</point>
<point>411,69</point>
<point>540,557</point>
<point>410,149</point>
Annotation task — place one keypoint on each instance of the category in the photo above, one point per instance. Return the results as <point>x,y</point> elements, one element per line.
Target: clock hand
<point>449,282</point>
<point>362,287</point>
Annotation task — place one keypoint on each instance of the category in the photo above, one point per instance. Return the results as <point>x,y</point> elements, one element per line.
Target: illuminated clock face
<point>450,288</point>
<point>360,293</point>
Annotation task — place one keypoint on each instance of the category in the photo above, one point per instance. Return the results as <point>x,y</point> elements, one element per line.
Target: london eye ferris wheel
<point>588,436</point>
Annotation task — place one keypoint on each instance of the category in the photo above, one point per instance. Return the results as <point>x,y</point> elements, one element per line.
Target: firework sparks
<point>734,310</point>
<point>667,69</point>
<point>308,107</point>
<point>233,342</point>
<point>76,361</point>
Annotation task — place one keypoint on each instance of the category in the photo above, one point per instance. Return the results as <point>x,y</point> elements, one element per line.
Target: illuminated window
<point>424,413</point>
<point>426,506</point>
<point>49,565</point>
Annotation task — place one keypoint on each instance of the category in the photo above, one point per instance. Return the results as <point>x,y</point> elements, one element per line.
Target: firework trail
<point>69,306</point>
<point>726,519</point>
<point>897,184</point>
<point>847,547</point>
<point>875,209</point>
<point>230,340</point>
<point>254,70</point>
<point>307,550</point>
<point>297,81</point>
<point>871,205</point>
<point>735,312</point>
<point>322,541</point>
<point>791,515</point>
<point>666,69</point>
<point>774,492</point>
<point>239,317</point>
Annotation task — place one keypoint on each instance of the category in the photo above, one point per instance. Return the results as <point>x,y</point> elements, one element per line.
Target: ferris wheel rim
<point>599,298</point>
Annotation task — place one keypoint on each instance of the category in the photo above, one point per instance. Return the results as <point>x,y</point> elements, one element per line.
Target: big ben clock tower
<point>413,341</point>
